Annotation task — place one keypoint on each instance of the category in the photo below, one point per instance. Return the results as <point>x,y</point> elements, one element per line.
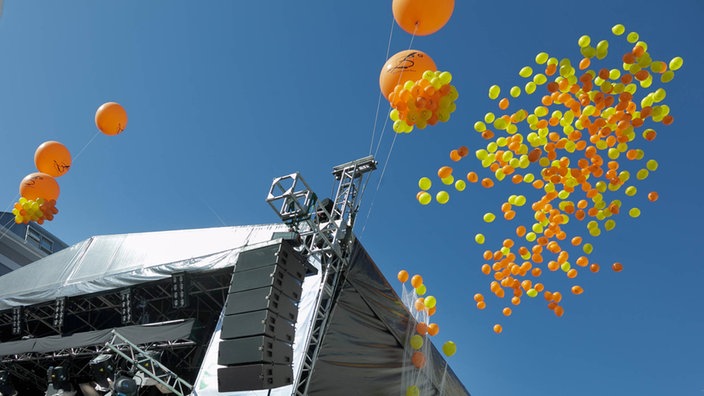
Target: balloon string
<point>383,129</point>
<point>378,102</point>
<point>84,148</point>
<point>378,186</point>
<point>6,227</point>
<point>214,212</point>
<point>410,45</point>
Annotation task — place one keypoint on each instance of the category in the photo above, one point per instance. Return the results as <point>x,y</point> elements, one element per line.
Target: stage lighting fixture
<point>17,320</point>
<point>6,388</point>
<point>102,371</point>
<point>180,285</point>
<point>125,386</point>
<point>126,306</point>
<point>59,311</point>
<point>59,384</point>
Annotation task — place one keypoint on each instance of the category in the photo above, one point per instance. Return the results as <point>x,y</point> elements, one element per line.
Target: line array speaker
<point>258,328</point>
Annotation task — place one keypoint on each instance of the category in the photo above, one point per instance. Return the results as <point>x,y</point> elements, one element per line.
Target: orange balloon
<point>39,185</point>
<point>433,329</point>
<point>405,66</point>
<point>418,359</point>
<point>111,118</point>
<point>422,17</point>
<point>416,281</point>
<point>402,276</point>
<point>52,158</point>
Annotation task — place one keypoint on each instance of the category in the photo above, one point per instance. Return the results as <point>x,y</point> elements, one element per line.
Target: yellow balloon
<point>494,91</point>
<point>618,29</point>
<point>449,348</point>
<point>460,185</point>
<point>634,212</point>
<point>448,180</point>
<point>424,183</point>
<point>530,87</point>
<point>445,77</point>
<point>424,198</point>
<point>416,342</point>
<point>676,63</point>
<point>442,197</point>
<point>489,217</point>
<point>584,41</point>
<point>541,58</point>
<point>430,302</point>
<point>479,238</point>
<point>526,71</point>
<point>420,290</point>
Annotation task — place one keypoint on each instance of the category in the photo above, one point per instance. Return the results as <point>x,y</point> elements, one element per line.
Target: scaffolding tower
<point>325,227</point>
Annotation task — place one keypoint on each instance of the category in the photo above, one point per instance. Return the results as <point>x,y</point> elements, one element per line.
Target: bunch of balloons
<point>422,307</point>
<point>419,95</point>
<point>38,210</point>
<point>584,141</point>
<point>40,190</point>
<point>423,102</point>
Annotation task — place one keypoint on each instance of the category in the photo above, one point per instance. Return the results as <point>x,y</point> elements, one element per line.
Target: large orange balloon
<point>422,17</point>
<point>405,66</point>
<point>52,158</point>
<point>39,185</point>
<point>111,118</point>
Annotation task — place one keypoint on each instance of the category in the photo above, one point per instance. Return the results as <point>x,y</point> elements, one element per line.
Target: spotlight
<point>125,386</point>
<point>59,384</point>
<point>102,371</point>
<point>6,388</point>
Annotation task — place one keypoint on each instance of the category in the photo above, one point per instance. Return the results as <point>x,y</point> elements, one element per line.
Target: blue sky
<point>223,96</point>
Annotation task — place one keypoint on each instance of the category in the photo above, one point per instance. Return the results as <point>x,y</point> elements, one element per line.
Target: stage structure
<point>297,308</point>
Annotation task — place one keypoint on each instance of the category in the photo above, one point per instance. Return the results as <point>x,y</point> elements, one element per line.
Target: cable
<point>378,103</point>
<point>386,163</point>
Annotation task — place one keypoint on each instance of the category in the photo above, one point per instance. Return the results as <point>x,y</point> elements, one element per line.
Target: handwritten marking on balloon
<point>579,140</point>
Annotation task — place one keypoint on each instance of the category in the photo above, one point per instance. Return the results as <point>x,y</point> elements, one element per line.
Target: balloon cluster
<point>419,94</point>
<point>422,307</point>
<point>40,190</point>
<point>423,102</point>
<point>580,140</point>
<point>38,210</point>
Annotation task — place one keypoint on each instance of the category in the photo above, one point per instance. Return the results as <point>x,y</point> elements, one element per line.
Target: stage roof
<point>109,262</point>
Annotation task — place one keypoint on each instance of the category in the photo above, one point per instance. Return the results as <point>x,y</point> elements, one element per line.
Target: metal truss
<point>144,363</point>
<point>327,238</point>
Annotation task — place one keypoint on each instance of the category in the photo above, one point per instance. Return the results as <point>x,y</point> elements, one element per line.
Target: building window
<point>41,241</point>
